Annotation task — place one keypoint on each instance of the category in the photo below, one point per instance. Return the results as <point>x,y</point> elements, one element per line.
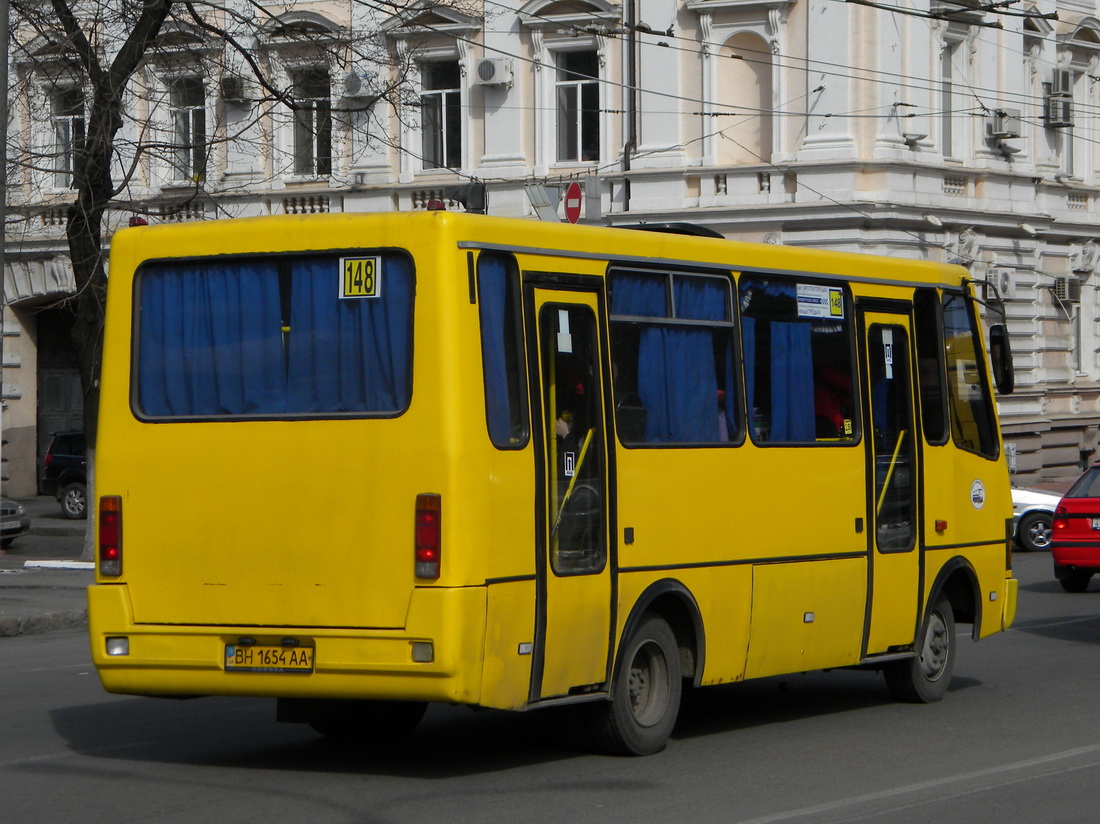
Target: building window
<point>441,115</point>
<point>67,111</point>
<point>1067,83</point>
<point>312,123</point>
<point>188,101</point>
<point>578,105</point>
<point>950,80</point>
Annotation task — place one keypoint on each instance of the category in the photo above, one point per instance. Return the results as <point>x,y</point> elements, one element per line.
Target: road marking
<point>1000,774</point>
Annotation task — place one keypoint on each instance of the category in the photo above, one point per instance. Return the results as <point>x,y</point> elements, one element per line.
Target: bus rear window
<point>287,336</point>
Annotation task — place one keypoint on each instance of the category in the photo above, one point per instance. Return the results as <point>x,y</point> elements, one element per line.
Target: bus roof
<point>290,233</point>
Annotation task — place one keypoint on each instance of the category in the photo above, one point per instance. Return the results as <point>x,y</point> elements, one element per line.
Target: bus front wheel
<point>645,693</point>
<point>925,677</point>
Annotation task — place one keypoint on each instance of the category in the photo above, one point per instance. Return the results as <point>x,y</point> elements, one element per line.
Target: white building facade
<point>929,129</point>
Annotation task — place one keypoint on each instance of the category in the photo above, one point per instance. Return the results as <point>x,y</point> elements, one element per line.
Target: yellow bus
<point>364,462</point>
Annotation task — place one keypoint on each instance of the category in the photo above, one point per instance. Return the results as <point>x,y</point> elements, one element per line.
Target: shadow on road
<point>450,742</point>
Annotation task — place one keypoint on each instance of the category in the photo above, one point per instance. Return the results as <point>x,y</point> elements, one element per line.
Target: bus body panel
<point>757,502</point>
<point>189,660</point>
<point>806,616</point>
<point>509,633</point>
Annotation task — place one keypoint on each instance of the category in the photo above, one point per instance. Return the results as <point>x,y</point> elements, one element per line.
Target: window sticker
<point>820,301</point>
<point>360,277</point>
<point>565,338</point>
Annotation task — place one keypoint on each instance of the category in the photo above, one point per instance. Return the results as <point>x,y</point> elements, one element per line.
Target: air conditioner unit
<point>493,71</point>
<point>237,89</point>
<point>1058,107</point>
<point>1061,82</point>
<point>1058,111</point>
<point>359,84</point>
<point>1067,289</point>
<point>1003,124</point>
<point>1002,283</point>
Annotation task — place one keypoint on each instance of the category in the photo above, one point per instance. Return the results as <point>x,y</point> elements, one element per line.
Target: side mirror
<point>1000,353</point>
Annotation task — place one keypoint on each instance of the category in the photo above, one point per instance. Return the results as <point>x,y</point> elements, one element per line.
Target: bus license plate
<point>258,658</point>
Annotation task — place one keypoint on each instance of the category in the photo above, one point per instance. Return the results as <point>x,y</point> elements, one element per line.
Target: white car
<point>1032,510</point>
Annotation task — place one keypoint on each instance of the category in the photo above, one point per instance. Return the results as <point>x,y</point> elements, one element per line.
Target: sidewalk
<point>42,582</point>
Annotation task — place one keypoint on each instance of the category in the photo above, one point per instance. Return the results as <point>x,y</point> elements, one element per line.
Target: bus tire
<point>645,693</point>
<point>357,721</point>
<point>925,677</point>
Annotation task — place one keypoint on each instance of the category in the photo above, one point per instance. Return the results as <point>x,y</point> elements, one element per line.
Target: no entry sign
<point>573,200</point>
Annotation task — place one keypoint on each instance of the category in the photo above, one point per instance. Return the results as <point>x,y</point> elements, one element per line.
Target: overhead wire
<point>796,63</point>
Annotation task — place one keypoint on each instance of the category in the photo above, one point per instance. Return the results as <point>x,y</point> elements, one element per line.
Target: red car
<point>1076,544</point>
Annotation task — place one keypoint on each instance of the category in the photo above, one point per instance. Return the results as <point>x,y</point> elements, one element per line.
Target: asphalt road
<point>1016,740</point>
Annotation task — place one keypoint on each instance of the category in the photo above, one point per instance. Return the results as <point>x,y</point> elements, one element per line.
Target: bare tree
<point>93,136</point>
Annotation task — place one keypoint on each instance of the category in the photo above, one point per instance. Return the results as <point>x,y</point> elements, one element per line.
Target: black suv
<point>65,474</point>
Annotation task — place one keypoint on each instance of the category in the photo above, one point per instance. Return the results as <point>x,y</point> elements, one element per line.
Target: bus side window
<point>501,351</point>
<point>673,358</point>
<point>973,420</point>
<point>797,340</point>
<point>928,332</point>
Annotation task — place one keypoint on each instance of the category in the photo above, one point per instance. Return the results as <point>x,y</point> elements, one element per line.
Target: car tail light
<point>49,459</point>
<point>110,535</point>
<point>428,517</point>
<point>1061,518</point>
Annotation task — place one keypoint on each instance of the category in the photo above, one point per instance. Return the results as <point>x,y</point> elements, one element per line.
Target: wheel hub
<point>937,647</point>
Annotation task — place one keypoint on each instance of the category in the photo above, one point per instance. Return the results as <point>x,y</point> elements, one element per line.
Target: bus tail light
<point>428,517</point>
<point>110,535</point>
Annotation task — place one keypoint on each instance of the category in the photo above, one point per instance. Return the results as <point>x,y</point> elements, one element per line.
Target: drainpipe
<point>631,143</point>
<point>3,188</point>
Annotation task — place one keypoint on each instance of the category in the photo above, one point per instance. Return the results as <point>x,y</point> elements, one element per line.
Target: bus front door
<point>572,638</point>
<point>892,458</point>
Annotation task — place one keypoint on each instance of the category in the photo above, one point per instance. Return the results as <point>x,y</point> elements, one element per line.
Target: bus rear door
<point>894,479</point>
<point>572,535</point>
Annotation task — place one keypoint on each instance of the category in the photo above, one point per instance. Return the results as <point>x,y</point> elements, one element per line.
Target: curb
<point>59,565</point>
<point>47,622</point>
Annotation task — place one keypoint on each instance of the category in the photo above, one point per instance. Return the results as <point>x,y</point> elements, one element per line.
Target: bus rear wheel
<point>925,677</point>
<point>359,721</point>
<point>645,693</point>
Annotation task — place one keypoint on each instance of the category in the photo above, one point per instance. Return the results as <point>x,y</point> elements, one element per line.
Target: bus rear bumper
<point>171,660</point>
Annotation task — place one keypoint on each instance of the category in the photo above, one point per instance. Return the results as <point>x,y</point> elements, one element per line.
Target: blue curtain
<point>677,380</point>
<point>211,340</point>
<point>790,405</point>
<point>492,292</point>
<point>349,355</point>
<point>792,383</point>
<point>639,295</point>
